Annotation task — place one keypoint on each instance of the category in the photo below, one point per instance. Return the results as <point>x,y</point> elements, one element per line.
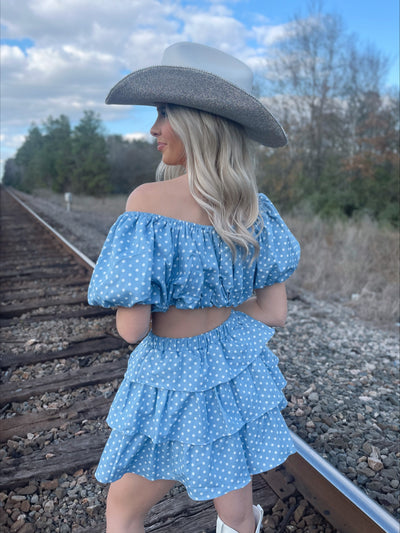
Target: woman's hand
<point>269,305</point>
<point>133,323</point>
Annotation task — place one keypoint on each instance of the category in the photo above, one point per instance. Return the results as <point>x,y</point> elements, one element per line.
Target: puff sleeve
<point>126,273</point>
<point>279,250</point>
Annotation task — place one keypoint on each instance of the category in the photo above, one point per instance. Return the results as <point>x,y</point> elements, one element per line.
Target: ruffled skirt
<point>201,410</point>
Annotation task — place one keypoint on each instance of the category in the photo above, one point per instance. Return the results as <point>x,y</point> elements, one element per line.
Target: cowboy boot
<point>258,516</point>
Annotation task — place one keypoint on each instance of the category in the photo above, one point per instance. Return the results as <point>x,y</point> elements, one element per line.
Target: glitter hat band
<point>201,77</point>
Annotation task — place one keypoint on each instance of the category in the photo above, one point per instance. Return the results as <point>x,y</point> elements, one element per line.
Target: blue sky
<point>62,56</point>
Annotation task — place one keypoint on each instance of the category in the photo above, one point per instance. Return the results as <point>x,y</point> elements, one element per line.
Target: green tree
<point>28,160</point>
<point>56,154</point>
<point>12,174</point>
<point>131,163</point>
<point>91,169</point>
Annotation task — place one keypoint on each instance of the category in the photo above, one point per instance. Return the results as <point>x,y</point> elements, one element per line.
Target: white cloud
<point>11,56</point>
<point>81,48</point>
<point>221,31</point>
<point>10,142</point>
<point>138,136</point>
<point>268,35</point>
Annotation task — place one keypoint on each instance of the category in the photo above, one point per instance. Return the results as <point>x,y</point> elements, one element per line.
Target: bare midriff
<point>179,323</point>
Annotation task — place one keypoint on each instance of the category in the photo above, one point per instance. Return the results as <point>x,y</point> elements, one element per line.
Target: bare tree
<point>309,70</point>
<point>329,92</point>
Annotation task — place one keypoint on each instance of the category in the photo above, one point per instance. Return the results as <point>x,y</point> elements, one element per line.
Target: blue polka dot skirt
<point>201,410</point>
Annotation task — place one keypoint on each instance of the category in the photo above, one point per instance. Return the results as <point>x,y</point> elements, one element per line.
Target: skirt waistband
<point>236,319</point>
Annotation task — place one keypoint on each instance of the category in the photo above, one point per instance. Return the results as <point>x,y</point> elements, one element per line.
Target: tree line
<point>329,93</point>
<point>82,160</point>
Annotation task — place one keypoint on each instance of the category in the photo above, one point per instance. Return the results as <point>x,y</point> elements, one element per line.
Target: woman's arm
<point>133,323</point>
<point>269,305</point>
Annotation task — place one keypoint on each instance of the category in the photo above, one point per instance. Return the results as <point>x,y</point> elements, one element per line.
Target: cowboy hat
<point>204,78</point>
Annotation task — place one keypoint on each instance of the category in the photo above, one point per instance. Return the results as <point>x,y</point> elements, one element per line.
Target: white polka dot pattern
<point>157,260</point>
<point>209,436</point>
<point>201,410</point>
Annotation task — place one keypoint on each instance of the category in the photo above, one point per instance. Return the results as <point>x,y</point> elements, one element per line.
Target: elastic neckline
<point>168,219</point>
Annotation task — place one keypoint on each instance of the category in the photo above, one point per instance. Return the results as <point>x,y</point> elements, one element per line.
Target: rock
<point>49,484</point>
<point>25,506</point>
<point>388,499</point>
<point>389,460</point>
<point>60,492</point>
<point>27,528</point>
<point>299,512</point>
<point>15,515</point>
<point>270,521</point>
<point>92,510</point>
<point>365,471</point>
<point>48,507</point>
<point>18,498</point>
<point>30,489</point>
<point>17,525</point>
<point>82,480</point>
<point>3,517</point>
<point>280,507</point>
<point>314,397</point>
<point>375,464</point>
<point>367,448</point>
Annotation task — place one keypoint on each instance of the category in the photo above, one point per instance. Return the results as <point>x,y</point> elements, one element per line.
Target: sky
<point>63,56</point>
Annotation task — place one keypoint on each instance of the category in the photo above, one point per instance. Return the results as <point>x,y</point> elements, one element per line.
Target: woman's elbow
<point>133,324</point>
<point>130,336</point>
<point>272,302</point>
<point>280,320</point>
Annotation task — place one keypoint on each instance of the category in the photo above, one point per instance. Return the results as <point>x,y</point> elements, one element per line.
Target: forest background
<point>340,169</point>
<point>329,93</point>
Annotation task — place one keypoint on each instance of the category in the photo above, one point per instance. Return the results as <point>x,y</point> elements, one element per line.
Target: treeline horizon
<point>329,94</point>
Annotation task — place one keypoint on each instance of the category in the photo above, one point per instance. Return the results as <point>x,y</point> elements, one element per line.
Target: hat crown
<point>201,57</point>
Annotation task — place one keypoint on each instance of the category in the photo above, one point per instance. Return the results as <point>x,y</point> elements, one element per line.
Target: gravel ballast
<point>342,386</point>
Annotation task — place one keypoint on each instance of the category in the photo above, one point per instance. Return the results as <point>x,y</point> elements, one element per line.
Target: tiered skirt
<point>201,410</point>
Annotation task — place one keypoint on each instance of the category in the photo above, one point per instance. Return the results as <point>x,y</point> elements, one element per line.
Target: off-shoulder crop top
<point>162,261</point>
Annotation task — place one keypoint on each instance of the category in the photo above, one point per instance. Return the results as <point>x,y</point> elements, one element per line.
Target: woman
<point>203,258</point>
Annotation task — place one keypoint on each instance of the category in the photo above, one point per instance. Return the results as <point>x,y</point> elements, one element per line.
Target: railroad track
<point>61,363</point>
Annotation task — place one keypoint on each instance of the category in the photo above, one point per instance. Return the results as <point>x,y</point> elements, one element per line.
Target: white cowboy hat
<point>201,77</point>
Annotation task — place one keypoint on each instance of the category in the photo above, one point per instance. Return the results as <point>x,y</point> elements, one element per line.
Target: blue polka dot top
<point>162,261</point>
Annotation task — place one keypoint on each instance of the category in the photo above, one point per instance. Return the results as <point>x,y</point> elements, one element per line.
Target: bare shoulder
<point>142,198</point>
<point>161,197</point>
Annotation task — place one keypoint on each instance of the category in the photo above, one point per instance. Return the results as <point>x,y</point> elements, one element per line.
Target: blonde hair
<point>220,167</point>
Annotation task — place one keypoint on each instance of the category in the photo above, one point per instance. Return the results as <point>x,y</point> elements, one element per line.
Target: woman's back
<point>173,199</point>
<point>170,198</point>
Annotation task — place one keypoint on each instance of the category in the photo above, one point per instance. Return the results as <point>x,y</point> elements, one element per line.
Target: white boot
<point>258,516</point>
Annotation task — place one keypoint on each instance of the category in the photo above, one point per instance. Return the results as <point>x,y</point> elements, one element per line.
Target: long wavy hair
<point>220,164</point>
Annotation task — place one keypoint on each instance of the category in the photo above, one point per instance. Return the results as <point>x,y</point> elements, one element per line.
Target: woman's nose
<point>155,130</point>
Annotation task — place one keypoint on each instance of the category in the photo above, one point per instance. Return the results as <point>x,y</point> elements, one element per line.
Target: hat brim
<point>199,90</point>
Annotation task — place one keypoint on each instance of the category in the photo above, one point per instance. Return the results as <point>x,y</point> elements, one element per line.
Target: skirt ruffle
<point>214,418</point>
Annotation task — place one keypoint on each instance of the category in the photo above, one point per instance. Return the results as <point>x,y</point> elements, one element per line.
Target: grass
<point>112,205</point>
<point>354,262</point>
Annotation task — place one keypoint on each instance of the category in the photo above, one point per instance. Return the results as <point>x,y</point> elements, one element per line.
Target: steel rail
<point>375,513</point>
<point>86,260</point>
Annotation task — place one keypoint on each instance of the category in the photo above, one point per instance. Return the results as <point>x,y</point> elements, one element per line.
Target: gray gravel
<point>342,374</point>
